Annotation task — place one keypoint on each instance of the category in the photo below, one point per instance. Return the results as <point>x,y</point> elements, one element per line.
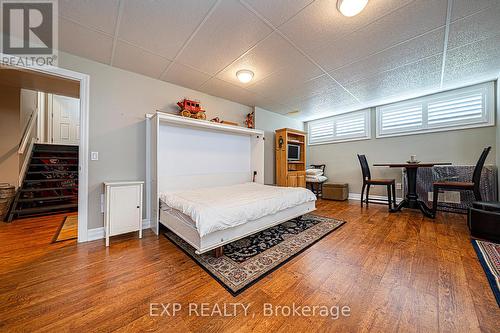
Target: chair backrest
<point>319,166</point>
<point>365,169</point>
<point>476,176</point>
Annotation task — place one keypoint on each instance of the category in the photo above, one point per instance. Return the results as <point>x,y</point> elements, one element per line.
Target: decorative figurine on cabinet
<point>249,121</point>
<point>191,109</point>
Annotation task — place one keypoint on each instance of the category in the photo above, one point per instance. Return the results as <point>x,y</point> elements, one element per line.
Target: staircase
<point>50,184</point>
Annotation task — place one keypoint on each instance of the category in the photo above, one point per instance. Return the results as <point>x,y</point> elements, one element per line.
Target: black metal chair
<point>473,185</point>
<point>317,187</point>
<point>368,181</point>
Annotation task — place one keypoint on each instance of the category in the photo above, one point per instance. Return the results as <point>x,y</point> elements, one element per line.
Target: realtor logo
<point>29,31</point>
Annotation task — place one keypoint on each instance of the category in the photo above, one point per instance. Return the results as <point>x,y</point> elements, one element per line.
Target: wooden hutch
<point>291,173</point>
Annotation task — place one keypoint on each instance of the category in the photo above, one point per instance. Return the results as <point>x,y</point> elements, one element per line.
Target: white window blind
<point>456,109</point>
<point>345,127</point>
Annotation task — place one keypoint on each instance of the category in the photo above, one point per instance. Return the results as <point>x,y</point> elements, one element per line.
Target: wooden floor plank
<point>396,273</point>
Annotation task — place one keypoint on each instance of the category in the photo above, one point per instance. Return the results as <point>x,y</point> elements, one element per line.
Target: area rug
<point>489,256</point>
<point>249,259</point>
<point>67,230</point>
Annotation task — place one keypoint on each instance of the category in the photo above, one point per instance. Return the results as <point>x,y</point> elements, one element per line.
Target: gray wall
<point>498,131</point>
<point>461,147</point>
<point>269,122</point>
<point>118,102</point>
<point>10,134</point>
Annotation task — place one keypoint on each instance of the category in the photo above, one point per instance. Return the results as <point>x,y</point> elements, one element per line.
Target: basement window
<point>451,110</point>
<point>341,128</point>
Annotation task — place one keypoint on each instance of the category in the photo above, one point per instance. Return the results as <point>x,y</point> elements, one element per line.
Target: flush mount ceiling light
<point>244,75</point>
<point>351,7</point>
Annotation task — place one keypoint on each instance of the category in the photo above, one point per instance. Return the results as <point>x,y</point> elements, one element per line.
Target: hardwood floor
<point>396,272</point>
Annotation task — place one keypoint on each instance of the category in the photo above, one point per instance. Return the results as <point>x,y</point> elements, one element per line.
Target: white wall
<point>118,102</point>
<point>269,122</point>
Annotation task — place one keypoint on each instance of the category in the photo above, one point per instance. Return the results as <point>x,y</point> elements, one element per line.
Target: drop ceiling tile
<point>410,21</point>
<point>321,23</point>
<point>161,26</point>
<point>279,85</point>
<point>83,42</point>
<point>185,76</point>
<point>229,91</point>
<point>402,54</point>
<point>401,82</point>
<point>481,25</point>
<point>270,55</point>
<point>278,11</point>
<point>462,8</point>
<point>98,14</point>
<point>334,99</point>
<point>137,60</point>
<point>473,62</point>
<point>229,32</point>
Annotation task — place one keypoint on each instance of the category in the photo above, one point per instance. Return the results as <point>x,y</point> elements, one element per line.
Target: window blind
<point>345,127</point>
<point>456,109</point>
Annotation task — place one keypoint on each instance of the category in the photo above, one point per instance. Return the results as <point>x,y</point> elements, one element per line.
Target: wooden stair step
<point>48,180</point>
<point>51,171</point>
<point>55,158</point>
<point>60,197</point>
<point>48,188</point>
<point>52,164</point>
<point>46,208</point>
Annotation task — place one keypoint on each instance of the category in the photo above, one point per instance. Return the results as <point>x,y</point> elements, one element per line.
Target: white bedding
<point>219,208</point>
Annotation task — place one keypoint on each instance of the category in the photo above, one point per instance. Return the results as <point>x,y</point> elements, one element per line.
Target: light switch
<point>94,156</point>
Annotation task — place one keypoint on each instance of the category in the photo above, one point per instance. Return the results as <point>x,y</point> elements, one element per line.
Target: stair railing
<point>27,132</point>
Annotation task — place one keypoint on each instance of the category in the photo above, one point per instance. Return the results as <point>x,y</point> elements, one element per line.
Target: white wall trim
<point>98,233</point>
<point>26,162</point>
<point>83,160</point>
<point>357,197</point>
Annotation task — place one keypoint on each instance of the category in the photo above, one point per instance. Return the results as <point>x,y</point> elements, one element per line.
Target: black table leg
<point>411,200</point>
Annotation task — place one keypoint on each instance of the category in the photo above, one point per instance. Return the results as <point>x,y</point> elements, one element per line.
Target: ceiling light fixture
<point>244,75</point>
<point>351,7</point>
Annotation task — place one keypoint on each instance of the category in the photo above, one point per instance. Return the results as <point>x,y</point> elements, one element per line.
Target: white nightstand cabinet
<point>123,208</point>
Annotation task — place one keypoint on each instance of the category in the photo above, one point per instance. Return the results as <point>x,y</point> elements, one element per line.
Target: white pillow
<point>314,172</point>
<point>316,179</point>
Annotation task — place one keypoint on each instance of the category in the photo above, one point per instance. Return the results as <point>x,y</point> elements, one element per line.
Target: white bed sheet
<point>219,208</point>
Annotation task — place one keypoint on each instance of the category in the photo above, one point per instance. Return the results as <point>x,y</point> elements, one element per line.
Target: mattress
<point>218,208</point>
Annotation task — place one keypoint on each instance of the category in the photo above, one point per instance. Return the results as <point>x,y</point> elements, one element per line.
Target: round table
<point>412,200</point>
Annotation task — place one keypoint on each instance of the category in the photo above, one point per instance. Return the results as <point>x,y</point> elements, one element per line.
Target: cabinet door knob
<point>138,207</point>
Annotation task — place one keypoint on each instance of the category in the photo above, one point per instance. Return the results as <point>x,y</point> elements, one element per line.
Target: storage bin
<point>7,193</point>
<point>336,191</point>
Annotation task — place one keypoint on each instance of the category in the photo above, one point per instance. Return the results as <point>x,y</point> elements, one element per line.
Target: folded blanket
<point>316,179</point>
<point>314,172</point>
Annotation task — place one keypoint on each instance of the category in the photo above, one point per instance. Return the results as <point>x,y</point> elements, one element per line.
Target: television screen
<point>293,152</point>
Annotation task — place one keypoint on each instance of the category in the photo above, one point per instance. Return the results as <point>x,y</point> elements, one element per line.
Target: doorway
<point>61,82</point>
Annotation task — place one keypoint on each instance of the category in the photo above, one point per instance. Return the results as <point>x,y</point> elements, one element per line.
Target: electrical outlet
<point>399,186</point>
<point>102,203</point>
<point>94,156</point>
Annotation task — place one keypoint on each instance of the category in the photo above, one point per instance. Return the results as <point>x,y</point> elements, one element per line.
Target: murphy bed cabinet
<point>291,173</point>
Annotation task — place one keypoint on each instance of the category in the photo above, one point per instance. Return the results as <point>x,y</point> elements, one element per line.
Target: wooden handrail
<point>27,132</point>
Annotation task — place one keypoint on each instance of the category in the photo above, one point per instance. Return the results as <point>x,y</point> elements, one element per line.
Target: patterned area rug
<point>489,256</point>
<point>249,259</point>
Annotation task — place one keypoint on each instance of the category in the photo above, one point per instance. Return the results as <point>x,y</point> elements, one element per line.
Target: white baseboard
<point>357,197</point>
<point>98,233</point>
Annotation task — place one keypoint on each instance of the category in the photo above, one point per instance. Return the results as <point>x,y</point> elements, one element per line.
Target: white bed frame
<point>184,153</point>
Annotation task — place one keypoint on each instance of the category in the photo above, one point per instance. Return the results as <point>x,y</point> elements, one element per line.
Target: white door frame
<point>83,156</point>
